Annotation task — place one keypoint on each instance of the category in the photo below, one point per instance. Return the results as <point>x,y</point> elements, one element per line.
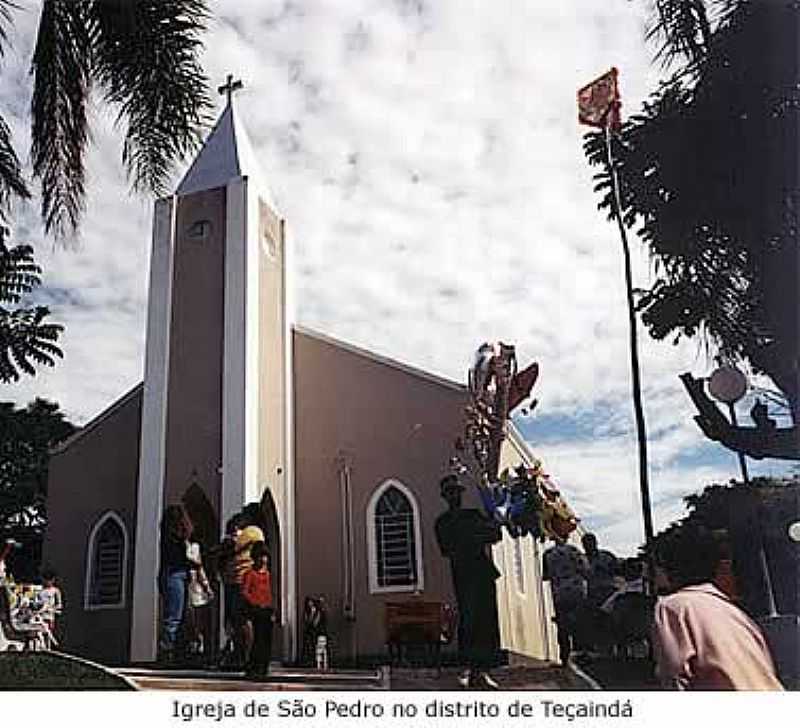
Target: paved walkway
<point>517,677</point>
<point>522,673</point>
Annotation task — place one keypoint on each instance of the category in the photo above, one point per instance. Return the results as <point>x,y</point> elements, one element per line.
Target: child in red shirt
<point>257,595</point>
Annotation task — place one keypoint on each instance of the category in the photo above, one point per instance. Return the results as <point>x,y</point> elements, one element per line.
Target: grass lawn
<point>54,671</point>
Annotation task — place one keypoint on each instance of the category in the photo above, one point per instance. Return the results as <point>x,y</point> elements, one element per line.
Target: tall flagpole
<point>635,376</point>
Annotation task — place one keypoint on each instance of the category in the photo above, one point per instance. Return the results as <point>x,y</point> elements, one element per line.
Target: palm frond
<point>61,70</point>
<point>12,182</point>
<point>684,28</point>
<point>6,19</point>
<point>147,61</point>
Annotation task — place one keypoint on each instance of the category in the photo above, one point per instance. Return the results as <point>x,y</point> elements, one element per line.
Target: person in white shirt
<point>51,601</point>
<point>199,596</point>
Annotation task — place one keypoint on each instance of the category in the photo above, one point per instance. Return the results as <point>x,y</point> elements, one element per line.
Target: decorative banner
<point>599,102</point>
<point>522,499</point>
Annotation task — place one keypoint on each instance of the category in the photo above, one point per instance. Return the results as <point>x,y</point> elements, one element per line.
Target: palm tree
<point>708,173</point>
<point>142,57</point>
<point>685,28</point>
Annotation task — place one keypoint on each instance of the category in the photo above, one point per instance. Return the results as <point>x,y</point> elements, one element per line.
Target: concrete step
<point>280,678</point>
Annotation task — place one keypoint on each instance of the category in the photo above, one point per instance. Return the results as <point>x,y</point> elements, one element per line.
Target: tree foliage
<point>714,508</point>
<point>27,340</point>
<point>708,177</point>
<point>26,438</point>
<point>142,56</point>
<point>751,522</point>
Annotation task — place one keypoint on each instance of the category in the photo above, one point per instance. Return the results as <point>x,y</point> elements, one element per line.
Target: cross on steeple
<point>229,87</point>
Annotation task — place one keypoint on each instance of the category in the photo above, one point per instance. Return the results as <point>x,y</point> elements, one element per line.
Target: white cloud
<point>428,161</point>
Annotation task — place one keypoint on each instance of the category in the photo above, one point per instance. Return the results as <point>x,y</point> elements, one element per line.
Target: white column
<point>234,394</point>
<point>252,333</point>
<point>144,626</point>
<point>289,570</point>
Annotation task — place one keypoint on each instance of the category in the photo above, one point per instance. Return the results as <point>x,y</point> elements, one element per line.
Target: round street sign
<point>794,531</point>
<point>727,384</point>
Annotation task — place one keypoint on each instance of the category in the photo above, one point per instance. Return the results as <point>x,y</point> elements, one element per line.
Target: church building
<point>342,448</point>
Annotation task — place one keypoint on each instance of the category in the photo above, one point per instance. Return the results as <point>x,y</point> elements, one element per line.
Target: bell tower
<point>216,410</point>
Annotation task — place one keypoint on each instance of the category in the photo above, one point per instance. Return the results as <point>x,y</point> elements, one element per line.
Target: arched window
<point>394,539</point>
<point>107,557</point>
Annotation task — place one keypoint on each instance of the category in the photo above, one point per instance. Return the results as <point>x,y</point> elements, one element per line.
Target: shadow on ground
<point>613,673</point>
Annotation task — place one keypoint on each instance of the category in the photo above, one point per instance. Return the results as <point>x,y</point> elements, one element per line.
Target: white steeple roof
<point>226,154</point>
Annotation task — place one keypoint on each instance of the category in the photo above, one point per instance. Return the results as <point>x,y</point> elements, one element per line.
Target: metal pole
<point>742,458</point>
<point>762,553</point>
<point>635,376</point>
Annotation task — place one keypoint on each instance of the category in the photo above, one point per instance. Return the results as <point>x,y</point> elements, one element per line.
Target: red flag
<point>599,102</point>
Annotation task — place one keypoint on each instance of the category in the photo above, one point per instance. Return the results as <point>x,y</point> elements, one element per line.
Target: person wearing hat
<point>463,535</point>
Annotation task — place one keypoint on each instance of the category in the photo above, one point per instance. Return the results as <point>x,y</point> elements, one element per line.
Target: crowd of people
<point>599,600</point>
<point>241,563</point>
<point>698,634</point>
<point>33,609</point>
<point>701,637</point>
<point>688,620</point>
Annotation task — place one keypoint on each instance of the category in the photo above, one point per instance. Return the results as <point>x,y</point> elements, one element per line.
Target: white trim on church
<point>375,587</point>
<point>152,457</point>
<point>235,436</point>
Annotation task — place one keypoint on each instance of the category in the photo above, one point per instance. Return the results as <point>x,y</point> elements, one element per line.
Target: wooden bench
<point>414,624</point>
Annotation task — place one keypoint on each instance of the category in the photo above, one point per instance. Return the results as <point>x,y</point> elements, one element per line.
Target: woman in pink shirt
<point>703,640</point>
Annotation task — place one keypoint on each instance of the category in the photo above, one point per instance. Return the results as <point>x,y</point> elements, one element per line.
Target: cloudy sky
<point>428,162</point>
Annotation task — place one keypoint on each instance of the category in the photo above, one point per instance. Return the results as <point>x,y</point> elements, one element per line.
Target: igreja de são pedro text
<point>299,708</point>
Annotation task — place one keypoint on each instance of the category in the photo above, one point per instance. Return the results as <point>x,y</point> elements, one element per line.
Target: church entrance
<point>202,625</point>
<point>272,535</point>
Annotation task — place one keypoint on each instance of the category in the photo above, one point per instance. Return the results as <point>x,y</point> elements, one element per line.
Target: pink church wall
<point>102,459</point>
<point>392,424</point>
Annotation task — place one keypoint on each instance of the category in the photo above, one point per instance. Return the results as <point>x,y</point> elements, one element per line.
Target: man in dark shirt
<point>600,585</point>
<point>602,570</point>
<point>463,535</point>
